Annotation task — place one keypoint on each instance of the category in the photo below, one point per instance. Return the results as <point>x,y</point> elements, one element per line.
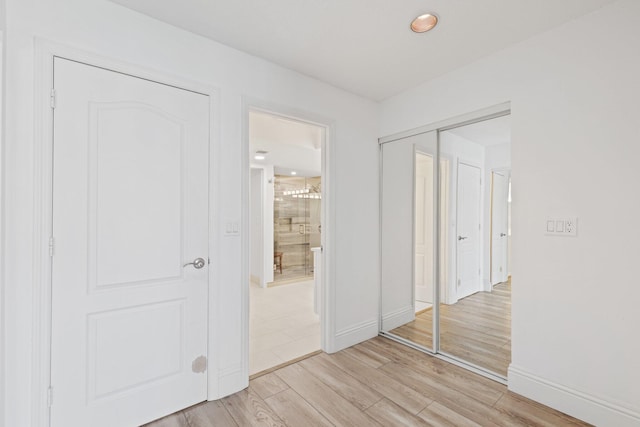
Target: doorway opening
<point>285,239</point>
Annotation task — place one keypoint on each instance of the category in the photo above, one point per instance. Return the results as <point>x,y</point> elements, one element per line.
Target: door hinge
<point>51,245</point>
<point>50,396</point>
<point>458,282</point>
<point>53,98</point>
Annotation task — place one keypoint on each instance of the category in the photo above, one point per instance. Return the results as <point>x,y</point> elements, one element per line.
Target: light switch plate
<point>561,226</point>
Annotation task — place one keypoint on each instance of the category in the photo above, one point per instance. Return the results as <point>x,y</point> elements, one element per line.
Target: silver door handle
<point>197,263</point>
<point>502,234</point>
<point>461,238</point>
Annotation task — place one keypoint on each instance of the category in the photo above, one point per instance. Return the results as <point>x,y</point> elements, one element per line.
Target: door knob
<point>502,234</point>
<point>197,263</point>
<point>461,238</point>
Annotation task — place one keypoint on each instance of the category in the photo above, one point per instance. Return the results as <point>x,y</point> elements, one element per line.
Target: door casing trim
<point>327,317</point>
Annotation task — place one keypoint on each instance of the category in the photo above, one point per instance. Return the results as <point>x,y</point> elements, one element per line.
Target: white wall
<point>2,222</point>
<point>112,31</point>
<point>574,94</point>
<point>497,157</point>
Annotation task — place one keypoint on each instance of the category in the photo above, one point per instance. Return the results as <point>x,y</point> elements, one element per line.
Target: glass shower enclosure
<point>296,227</point>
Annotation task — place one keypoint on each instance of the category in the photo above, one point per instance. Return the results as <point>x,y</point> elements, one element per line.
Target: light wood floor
<point>376,383</point>
<point>476,329</point>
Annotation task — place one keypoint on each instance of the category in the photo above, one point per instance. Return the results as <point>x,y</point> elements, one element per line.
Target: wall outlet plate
<point>561,226</point>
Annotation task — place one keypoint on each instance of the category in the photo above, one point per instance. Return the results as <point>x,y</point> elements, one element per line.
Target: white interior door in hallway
<point>424,227</point>
<point>499,226</point>
<point>130,211</point>
<point>468,240</point>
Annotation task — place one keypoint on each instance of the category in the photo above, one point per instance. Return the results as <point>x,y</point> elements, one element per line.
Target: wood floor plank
<point>173,420</point>
<point>533,413</point>
<point>439,415</point>
<point>330,404</point>
<point>360,395</point>
<point>407,397</point>
<point>209,414</point>
<point>248,409</point>
<point>428,365</point>
<point>390,414</point>
<point>268,385</point>
<point>367,356</point>
<point>476,329</point>
<point>412,388</point>
<point>462,403</point>
<point>295,411</point>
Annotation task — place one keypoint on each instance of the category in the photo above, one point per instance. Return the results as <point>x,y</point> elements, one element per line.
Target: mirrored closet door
<point>445,242</point>
<point>409,237</point>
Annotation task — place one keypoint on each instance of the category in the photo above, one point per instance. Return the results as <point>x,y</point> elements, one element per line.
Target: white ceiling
<point>365,46</point>
<point>290,145</point>
<point>488,132</point>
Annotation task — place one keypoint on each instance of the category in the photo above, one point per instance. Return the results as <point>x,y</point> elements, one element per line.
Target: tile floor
<point>282,324</point>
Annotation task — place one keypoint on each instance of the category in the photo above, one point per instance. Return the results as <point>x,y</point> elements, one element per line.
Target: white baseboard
<point>355,334</point>
<point>589,408</point>
<point>398,318</point>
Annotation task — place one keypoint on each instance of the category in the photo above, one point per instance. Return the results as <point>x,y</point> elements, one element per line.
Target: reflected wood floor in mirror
<point>476,329</point>
<point>375,383</point>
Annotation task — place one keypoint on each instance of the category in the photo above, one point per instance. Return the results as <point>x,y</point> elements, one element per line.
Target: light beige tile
<point>282,326</point>
<point>269,341</point>
<point>263,361</point>
<point>297,348</point>
<point>310,330</point>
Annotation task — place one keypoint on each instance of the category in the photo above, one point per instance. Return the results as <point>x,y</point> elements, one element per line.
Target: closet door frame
<point>488,113</point>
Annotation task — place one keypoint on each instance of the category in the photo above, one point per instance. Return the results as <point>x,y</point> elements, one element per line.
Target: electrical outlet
<point>571,226</point>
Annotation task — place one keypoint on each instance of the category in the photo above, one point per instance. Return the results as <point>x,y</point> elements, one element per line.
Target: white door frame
<point>327,295</point>
<point>43,197</point>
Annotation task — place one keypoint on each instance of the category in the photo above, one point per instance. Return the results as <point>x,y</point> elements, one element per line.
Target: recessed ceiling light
<point>424,23</point>
<point>294,173</point>
<point>259,157</point>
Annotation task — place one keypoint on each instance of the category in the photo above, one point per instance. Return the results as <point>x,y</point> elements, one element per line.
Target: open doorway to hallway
<point>286,227</point>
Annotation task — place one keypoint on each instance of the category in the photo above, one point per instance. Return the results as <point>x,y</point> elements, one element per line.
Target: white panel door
<point>499,206</point>
<point>468,240</point>
<point>130,209</point>
<point>424,228</point>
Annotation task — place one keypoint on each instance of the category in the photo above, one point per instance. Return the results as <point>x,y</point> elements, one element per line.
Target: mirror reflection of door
<point>468,237</point>
<point>475,323</point>
<point>408,222</point>
<point>499,227</point>
<point>424,227</point>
